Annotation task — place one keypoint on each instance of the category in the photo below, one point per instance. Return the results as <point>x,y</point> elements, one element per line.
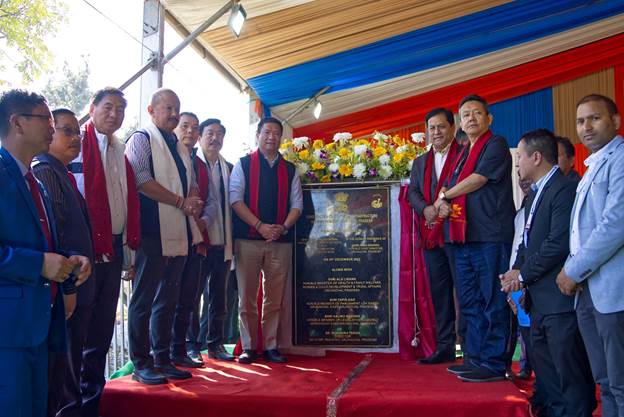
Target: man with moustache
<point>31,304</point>
<point>187,132</point>
<point>480,202</point>
<point>74,237</point>
<point>429,172</point>
<point>266,196</point>
<point>106,181</point>
<point>594,268</point>
<point>169,200</point>
<point>558,354</point>
<point>209,331</point>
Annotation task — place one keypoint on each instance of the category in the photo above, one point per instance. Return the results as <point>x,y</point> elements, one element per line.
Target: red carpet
<point>360,385</point>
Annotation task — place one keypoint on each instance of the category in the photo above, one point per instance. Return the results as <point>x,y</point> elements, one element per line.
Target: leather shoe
<point>186,362</point>
<point>195,355</point>
<point>149,376</point>
<point>482,375</point>
<point>438,357</point>
<point>248,356</point>
<point>172,372</point>
<point>461,369</point>
<point>219,352</point>
<point>524,374</point>
<point>272,355</point>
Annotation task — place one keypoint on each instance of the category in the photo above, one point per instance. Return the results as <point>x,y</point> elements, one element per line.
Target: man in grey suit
<point>594,268</point>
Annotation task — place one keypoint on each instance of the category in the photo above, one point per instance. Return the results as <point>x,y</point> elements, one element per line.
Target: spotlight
<point>237,19</point>
<point>318,108</point>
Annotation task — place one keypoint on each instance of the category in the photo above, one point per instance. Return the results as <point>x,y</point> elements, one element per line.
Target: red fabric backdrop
<point>494,87</point>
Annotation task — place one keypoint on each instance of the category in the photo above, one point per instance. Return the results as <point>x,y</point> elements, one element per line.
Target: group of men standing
<point>170,215</point>
<point>569,258</point>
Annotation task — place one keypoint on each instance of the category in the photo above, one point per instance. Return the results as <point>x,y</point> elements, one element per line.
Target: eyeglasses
<point>68,131</point>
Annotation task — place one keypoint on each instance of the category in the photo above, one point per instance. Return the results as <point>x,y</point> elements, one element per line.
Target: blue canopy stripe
<point>451,41</point>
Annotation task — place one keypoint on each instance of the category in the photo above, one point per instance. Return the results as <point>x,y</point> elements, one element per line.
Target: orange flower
<point>345,170</point>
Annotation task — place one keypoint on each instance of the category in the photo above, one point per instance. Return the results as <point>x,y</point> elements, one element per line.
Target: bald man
<point>169,202</point>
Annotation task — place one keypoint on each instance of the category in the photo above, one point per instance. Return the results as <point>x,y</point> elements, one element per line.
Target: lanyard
<point>529,221</point>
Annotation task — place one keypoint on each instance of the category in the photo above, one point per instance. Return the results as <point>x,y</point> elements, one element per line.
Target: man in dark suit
<point>429,172</point>
<point>29,270</point>
<point>559,356</point>
<point>74,237</point>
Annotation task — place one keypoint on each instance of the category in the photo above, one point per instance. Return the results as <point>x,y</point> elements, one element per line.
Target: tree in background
<point>69,89</point>
<point>23,26</point>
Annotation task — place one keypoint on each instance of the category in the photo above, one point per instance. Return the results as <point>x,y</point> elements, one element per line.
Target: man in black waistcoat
<point>74,238</point>
<point>169,200</point>
<point>265,193</point>
<point>558,353</point>
<point>431,170</point>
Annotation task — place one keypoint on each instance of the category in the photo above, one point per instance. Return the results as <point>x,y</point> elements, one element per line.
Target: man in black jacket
<point>429,172</point>
<point>559,356</point>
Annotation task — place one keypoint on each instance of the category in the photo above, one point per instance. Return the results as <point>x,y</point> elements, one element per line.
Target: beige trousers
<point>274,259</point>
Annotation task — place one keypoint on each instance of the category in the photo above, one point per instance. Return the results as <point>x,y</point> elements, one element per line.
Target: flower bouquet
<point>380,157</point>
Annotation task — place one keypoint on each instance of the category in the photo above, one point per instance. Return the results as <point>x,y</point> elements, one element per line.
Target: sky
<point>114,56</point>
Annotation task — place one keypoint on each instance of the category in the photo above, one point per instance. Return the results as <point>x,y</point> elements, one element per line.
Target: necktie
<point>36,196</point>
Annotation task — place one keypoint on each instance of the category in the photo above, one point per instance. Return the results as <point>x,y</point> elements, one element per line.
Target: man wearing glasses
<point>31,304</point>
<point>74,236</point>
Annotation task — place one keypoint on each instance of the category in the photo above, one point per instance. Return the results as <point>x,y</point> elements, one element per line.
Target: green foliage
<point>23,26</point>
<point>69,89</point>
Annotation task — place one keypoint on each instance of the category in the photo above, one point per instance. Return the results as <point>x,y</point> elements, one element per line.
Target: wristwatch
<point>442,195</point>
<point>285,229</point>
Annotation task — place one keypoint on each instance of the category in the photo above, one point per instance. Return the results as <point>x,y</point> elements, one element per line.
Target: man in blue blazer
<point>29,270</point>
<point>595,268</point>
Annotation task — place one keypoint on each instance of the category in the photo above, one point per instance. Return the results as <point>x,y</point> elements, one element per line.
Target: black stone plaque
<point>343,277</point>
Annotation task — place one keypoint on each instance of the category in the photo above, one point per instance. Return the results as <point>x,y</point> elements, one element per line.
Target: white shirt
<point>114,188</point>
<point>439,158</point>
<point>590,163</point>
<point>538,187</point>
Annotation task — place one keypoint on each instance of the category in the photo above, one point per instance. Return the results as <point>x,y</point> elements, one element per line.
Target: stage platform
<point>340,384</point>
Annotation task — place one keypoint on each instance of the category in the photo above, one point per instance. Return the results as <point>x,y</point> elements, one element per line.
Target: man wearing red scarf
<point>265,193</point>
<point>106,180</point>
<point>481,228</point>
<point>429,173</point>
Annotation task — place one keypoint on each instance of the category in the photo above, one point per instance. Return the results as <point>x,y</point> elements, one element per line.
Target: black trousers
<point>90,332</point>
<point>207,331</point>
<point>189,288</point>
<point>561,364</point>
<point>150,314</point>
<point>441,271</point>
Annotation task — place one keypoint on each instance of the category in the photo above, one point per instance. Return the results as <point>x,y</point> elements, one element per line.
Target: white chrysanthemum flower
<point>385,171</point>
<point>302,168</point>
<point>401,149</point>
<point>418,137</point>
<point>301,142</point>
<point>317,154</point>
<point>360,150</point>
<point>333,167</point>
<point>380,137</point>
<point>359,170</point>
<point>384,159</point>
<point>409,164</point>
<point>342,137</point>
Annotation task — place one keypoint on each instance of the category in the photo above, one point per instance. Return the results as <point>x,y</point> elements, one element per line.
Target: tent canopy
<point>372,54</point>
